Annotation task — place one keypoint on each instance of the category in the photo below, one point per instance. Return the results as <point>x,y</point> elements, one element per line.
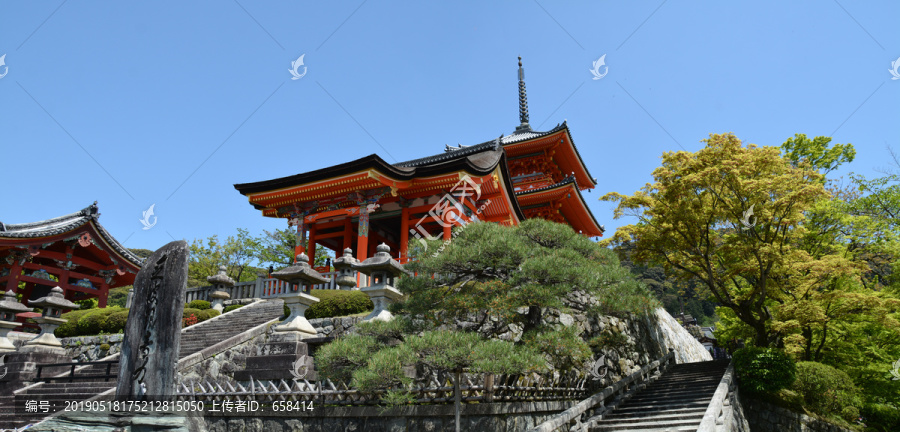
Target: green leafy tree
<point>730,216</point>
<point>276,248</point>
<point>236,253</point>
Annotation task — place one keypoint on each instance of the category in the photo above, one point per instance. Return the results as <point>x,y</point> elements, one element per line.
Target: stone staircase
<point>674,402</point>
<point>197,337</point>
<point>193,339</point>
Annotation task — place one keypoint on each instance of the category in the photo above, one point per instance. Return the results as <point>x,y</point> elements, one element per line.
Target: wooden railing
<point>260,288</point>
<point>619,392</point>
<point>720,413</point>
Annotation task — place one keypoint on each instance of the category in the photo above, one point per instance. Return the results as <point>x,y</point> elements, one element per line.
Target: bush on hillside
<point>91,323</point>
<point>334,303</point>
<point>763,370</point>
<point>115,322</point>
<point>199,304</point>
<point>190,311</point>
<point>826,390</point>
<point>69,328</point>
<point>881,418</point>
<point>207,314</point>
<point>231,308</point>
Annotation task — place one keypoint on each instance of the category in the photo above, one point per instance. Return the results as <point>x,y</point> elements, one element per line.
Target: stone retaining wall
<point>334,327</point>
<point>765,417</point>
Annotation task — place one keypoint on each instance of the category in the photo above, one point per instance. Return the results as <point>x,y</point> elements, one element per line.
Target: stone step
<point>650,425</point>
<point>618,416</point>
<point>679,394</point>
<point>668,400</point>
<point>659,407</point>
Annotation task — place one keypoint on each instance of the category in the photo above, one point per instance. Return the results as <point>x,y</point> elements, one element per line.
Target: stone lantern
<point>298,302</point>
<point>344,266</point>
<point>9,307</point>
<point>382,271</point>
<point>49,320</point>
<point>222,284</point>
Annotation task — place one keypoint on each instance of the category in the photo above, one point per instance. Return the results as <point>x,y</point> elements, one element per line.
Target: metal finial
<point>523,101</point>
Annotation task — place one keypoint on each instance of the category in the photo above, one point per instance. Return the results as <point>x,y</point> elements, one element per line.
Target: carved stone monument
<point>222,283</point>
<point>153,331</point>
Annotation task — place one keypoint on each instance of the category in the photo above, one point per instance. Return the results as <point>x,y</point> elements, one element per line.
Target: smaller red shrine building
<point>75,250</point>
<point>362,203</point>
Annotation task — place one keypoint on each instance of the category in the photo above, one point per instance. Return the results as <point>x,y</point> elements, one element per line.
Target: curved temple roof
<point>63,224</point>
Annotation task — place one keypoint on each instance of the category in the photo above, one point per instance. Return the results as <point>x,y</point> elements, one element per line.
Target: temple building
<point>362,203</point>
<point>73,252</point>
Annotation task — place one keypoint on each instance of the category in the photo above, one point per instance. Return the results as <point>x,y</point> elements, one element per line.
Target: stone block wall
<point>765,417</point>
<point>334,327</point>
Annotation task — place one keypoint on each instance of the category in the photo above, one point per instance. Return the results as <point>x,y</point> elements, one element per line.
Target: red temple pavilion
<point>73,252</point>
<point>362,203</point>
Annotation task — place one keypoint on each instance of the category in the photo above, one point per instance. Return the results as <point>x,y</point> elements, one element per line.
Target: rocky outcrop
<point>668,333</point>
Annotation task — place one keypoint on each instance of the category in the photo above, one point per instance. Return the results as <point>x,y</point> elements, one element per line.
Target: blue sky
<point>171,103</point>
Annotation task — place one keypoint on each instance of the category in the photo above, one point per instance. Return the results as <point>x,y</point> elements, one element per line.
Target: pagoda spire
<point>523,101</point>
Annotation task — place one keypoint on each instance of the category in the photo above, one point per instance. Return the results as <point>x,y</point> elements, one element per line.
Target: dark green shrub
<point>104,347</point>
<point>207,314</point>
<point>190,311</point>
<point>69,329</point>
<point>763,370</point>
<point>334,303</point>
<point>826,390</point>
<point>115,322</point>
<point>199,304</point>
<point>91,323</point>
<point>881,418</point>
<point>231,308</point>
<point>287,312</point>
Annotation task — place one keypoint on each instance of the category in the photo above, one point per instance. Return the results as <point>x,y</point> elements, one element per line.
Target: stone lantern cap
<point>220,295</point>
<point>55,299</point>
<point>300,272</point>
<point>10,304</point>
<point>346,261</point>
<point>220,278</point>
<point>381,261</point>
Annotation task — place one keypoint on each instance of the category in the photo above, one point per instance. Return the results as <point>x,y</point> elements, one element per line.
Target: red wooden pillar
<point>348,236</point>
<point>312,245</point>
<point>404,233</point>
<point>14,272</point>
<point>104,294</point>
<point>447,232</point>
